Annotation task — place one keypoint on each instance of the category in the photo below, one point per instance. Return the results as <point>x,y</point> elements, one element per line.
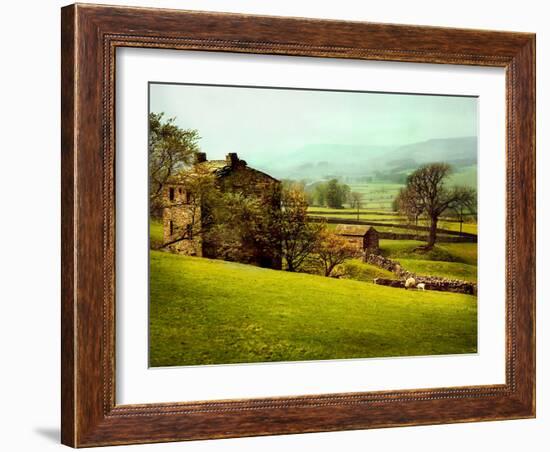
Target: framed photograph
<point>282,225</point>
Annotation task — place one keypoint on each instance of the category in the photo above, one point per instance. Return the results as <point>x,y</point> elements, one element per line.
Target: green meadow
<point>212,312</point>
<point>155,234</point>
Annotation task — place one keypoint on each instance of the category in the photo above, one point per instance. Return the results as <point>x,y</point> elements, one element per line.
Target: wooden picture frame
<point>90,36</point>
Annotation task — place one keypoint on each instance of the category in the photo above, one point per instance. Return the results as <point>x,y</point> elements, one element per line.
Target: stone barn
<point>185,214</point>
<point>365,238</point>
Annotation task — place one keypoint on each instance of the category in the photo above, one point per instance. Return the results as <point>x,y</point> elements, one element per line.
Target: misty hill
<point>321,160</point>
<point>316,160</point>
<point>459,152</point>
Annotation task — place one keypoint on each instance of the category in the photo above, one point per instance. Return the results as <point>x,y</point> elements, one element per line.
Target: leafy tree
<point>202,196</point>
<point>170,149</point>
<point>344,193</point>
<point>333,250</point>
<point>426,193</point>
<point>299,235</point>
<point>336,194</point>
<point>235,220</point>
<point>321,194</point>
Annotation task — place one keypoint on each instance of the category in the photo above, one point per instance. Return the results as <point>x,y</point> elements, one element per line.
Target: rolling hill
<point>317,161</point>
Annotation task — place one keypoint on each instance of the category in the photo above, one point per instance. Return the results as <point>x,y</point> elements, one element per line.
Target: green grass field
<point>380,216</point>
<point>467,176</point>
<point>155,233</point>
<point>377,195</point>
<point>465,253</point>
<point>452,270</point>
<point>212,312</point>
<point>360,271</point>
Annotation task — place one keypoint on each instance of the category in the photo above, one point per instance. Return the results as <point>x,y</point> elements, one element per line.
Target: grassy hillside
<point>155,233</point>
<point>465,253</point>
<point>465,176</point>
<point>453,270</point>
<point>211,312</point>
<point>361,271</point>
<point>321,160</point>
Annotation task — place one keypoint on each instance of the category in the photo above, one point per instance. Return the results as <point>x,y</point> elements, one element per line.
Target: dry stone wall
<point>422,238</point>
<point>430,282</point>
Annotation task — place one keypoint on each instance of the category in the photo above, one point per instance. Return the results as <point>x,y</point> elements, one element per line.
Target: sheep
<point>410,283</point>
<point>421,286</point>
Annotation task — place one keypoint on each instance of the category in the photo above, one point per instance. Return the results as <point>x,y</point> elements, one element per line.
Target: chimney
<point>232,159</point>
<point>200,157</point>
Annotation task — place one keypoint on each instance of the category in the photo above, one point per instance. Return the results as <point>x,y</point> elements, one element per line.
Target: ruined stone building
<point>365,238</point>
<point>184,209</point>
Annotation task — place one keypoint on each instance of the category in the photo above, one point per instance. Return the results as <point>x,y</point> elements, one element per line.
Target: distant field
<point>452,225</point>
<point>380,216</point>
<point>347,214</point>
<point>349,210</point>
<point>467,176</point>
<point>469,228</point>
<point>212,312</point>
<point>377,195</point>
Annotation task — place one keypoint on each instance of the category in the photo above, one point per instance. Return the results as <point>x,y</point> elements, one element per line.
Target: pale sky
<point>260,122</point>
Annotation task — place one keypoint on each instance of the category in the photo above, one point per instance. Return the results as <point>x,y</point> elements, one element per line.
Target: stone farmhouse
<point>365,238</point>
<point>184,210</point>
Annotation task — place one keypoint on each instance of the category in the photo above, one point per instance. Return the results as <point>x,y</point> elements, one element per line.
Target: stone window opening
<point>171,227</point>
<point>171,194</point>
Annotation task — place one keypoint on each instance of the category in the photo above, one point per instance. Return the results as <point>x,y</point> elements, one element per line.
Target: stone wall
<point>431,282</point>
<point>449,236</point>
<point>423,238</point>
<point>181,217</point>
<point>383,262</point>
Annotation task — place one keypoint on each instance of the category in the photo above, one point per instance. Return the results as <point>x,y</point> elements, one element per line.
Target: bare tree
<point>467,206</point>
<point>426,193</point>
<point>356,201</point>
<point>406,203</point>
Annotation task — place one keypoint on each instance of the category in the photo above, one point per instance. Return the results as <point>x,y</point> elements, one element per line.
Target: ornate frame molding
<point>90,37</point>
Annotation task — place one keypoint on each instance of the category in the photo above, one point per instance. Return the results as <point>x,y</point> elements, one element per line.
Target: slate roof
<point>219,167</point>
<point>356,230</point>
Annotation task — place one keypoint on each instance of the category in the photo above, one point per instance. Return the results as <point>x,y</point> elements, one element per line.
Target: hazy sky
<point>254,121</point>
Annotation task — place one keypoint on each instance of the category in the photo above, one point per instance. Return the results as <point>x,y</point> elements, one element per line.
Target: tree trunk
<point>432,233</point>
